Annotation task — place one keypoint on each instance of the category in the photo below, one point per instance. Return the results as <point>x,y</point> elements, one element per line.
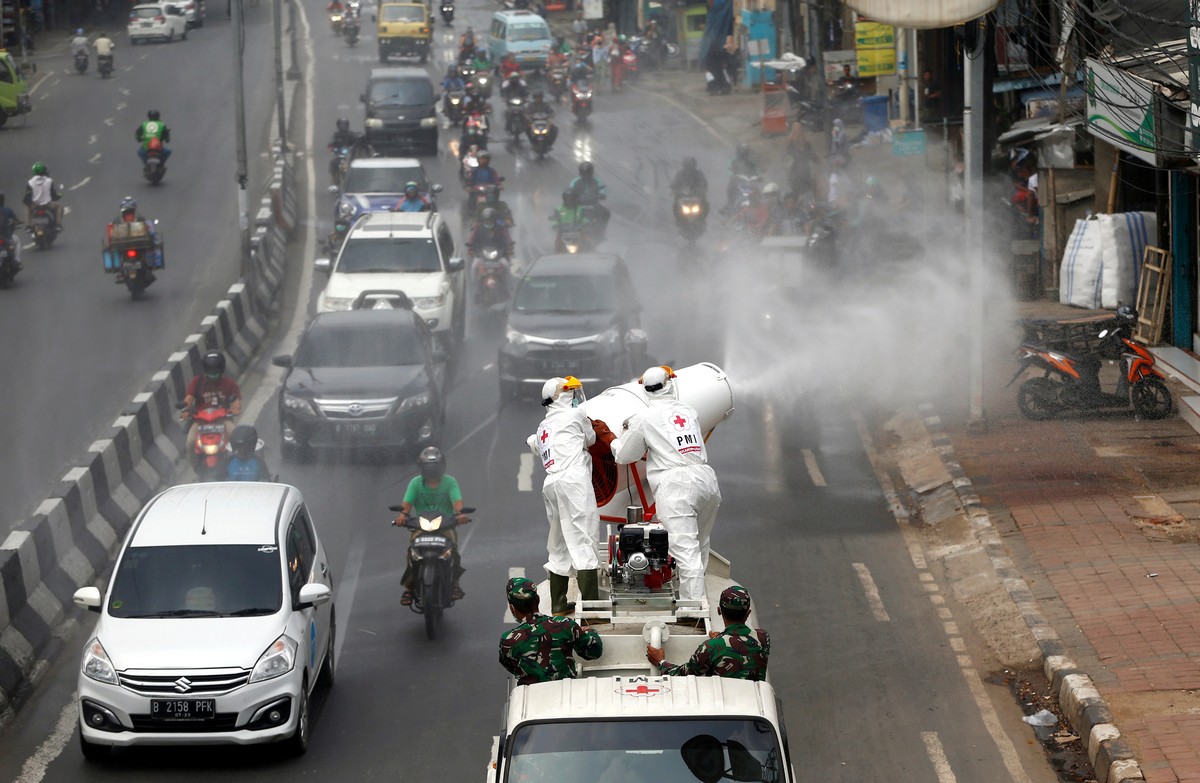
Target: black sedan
<point>572,315</point>
<point>363,378</point>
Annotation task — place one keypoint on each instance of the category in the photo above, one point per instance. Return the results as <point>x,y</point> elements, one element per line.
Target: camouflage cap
<point>521,590</point>
<point>735,597</point>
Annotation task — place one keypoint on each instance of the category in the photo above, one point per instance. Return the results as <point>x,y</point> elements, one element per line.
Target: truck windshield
<point>646,751</point>
<point>402,13</point>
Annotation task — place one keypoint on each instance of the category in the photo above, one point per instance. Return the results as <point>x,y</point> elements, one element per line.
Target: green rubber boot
<point>558,595</point>
<point>589,585</point>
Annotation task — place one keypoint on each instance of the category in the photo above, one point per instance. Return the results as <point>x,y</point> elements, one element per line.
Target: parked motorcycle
<point>104,63</point>
<point>350,30</point>
<point>1072,381</point>
<point>81,62</point>
<point>211,440</point>
<point>155,167</point>
<point>43,226</point>
<point>452,105</point>
<point>541,134</point>
<point>581,100</point>
<point>691,216</point>
<point>9,266</point>
<point>447,12</point>
<point>491,277</point>
<point>429,553</point>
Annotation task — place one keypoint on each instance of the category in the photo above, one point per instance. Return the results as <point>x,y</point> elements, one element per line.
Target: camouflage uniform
<point>543,648</point>
<point>737,652</point>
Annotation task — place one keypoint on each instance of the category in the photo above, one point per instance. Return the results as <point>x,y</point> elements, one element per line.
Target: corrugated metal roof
<point>1164,65</point>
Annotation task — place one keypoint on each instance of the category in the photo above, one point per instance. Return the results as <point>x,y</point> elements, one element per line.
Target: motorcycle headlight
<point>514,337</point>
<point>337,303</point>
<point>429,122</point>
<point>455,101</point>
<point>276,660</point>
<point>609,336</point>
<point>585,95</point>
<point>415,401</point>
<point>298,404</point>
<point>96,665</point>
<point>346,210</point>
<point>374,122</point>
<point>211,449</point>
<point>491,254</point>
<point>429,302</point>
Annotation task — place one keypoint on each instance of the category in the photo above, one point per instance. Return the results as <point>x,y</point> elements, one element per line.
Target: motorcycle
<point>447,12</point>
<point>335,22</point>
<point>9,266</point>
<point>654,52</point>
<point>481,83</point>
<point>556,82</point>
<point>81,62</point>
<point>541,135</point>
<point>350,30</point>
<point>468,163</point>
<point>691,216</point>
<point>429,553</point>
<point>1072,381</point>
<point>339,165</point>
<point>573,238</point>
<point>452,106</point>
<point>629,65</point>
<point>475,131</point>
<point>514,116</point>
<point>155,167</point>
<point>211,440</point>
<point>491,277</point>
<point>581,100</point>
<point>104,63</point>
<point>137,270</point>
<point>743,186</point>
<point>43,226</point>
<point>477,198</point>
<point>337,237</point>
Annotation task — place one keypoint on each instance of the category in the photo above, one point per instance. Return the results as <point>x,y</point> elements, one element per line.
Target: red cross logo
<point>545,435</point>
<point>679,421</point>
<point>641,690</point>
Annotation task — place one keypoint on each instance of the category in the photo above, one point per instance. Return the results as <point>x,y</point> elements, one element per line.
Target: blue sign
<point>908,142</point>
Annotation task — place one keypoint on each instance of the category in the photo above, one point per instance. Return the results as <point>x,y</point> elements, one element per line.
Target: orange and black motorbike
<point>1071,381</point>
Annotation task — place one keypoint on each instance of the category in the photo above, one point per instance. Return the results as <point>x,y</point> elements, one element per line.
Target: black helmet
<point>743,150</point>
<point>213,364</point>
<point>128,204</point>
<point>488,217</point>
<point>689,164</point>
<point>432,463</point>
<point>570,198</point>
<point>586,169</point>
<point>244,440</point>
<point>152,114</point>
<point>1127,313</point>
<point>538,96</point>
<point>343,124</point>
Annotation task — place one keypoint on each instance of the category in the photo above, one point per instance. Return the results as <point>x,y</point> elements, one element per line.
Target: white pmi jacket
<point>668,433</point>
<point>561,440</point>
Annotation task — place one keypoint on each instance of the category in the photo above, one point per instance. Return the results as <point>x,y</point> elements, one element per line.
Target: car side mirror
<point>456,264</point>
<point>323,265</point>
<point>282,360</point>
<point>435,188</point>
<point>313,594</point>
<point>89,598</point>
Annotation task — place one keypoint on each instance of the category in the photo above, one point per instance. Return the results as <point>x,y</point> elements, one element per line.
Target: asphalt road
<point>875,683</point>
<point>76,349</point>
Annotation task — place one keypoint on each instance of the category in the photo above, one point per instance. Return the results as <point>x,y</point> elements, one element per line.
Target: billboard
<point>1120,110</point>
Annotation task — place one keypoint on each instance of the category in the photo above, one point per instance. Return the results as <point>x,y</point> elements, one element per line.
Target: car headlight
<point>415,401</point>
<point>276,660</point>
<point>429,302</point>
<point>374,122</point>
<point>298,404</point>
<point>429,122</point>
<point>609,336</point>
<point>514,337</point>
<point>333,303</point>
<point>96,665</point>
<point>346,209</point>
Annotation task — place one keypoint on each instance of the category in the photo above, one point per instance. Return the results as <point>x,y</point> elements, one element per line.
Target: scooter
<point>211,440</point>
<point>452,105</point>
<point>691,216</point>
<point>104,64</point>
<point>43,226</point>
<point>1071,381</point>
<point>155,167</point>
<point>491,277</point>
<point>9,266</point>
<point>81,62</point>
<point>429,553</point>
<point>556,82</point>
<point>541,135</point>
<point>468,163</point>
<point>581,100</point>
<point>137,268</point>
<point>335,22</point>
<point>514,116</point>
<point>447,12</point>
<point>350,30</point>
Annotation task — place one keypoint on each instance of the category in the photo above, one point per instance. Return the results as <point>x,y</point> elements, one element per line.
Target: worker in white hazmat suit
<point>686,494</point>
<point>561,442</point>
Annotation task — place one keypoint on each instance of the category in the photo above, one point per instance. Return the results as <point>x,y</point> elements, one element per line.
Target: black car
<point>364,377</point>
<point>401,111</point>
<point>572,315</point>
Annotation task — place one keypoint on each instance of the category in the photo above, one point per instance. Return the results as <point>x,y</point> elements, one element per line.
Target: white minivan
<point>216,627</point>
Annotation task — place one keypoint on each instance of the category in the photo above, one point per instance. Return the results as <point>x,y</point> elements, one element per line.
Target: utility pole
<point>243,171</point>
<point>277,29</point>
<point>974,99</point>
<point>293,73</point>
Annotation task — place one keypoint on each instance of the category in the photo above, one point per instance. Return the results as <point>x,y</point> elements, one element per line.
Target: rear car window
<point>528,32</point>
<point>381,180</point>
<point>147,12</point>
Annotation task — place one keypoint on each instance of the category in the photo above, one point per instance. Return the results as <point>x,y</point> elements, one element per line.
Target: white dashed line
<point>872,592</point>
<point>109,121</point>
<point>525,473</point>
<point>121,106</point>
<point>80,184</point>
<point>93,139</point>
<point>814,470</point>
<point>937,755</point>
<point>95,158</point>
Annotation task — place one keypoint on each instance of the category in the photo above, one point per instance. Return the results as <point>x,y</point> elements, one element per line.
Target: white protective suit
<point>686,494</point>
<point>41,190</point>
<point>561,443</point>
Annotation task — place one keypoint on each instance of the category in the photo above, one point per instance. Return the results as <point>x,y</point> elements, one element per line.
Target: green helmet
<point>39,168</point>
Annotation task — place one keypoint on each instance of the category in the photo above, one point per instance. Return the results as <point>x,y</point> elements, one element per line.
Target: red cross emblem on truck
<point>642,689</point>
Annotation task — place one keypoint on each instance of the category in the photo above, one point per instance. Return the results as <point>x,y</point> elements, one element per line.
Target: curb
<point>1089,714</point>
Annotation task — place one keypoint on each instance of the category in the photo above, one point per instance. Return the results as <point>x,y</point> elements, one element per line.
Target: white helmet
<point>658,381</point>
<point>555,388</point>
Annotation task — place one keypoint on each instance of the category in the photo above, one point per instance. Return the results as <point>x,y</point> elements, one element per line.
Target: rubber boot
<point>589,585</point>
<point>558,595</point>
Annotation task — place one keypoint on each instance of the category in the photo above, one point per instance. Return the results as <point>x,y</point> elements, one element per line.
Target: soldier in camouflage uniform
<point>736,652</point>
<point>543,648</point>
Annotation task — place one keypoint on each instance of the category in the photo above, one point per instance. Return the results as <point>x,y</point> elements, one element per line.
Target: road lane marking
<point>93,139</point>
<point>525,473</point>
<point>80,184</point>
<point>349,589</point>
<point>39,83</point>
<point>488,366</point>
<point>512,574</point>
<point>95,158</point>
<point>814,470</point>
<point>121,106</point>
<point>34,768</point>
<point>872,592</point>
<point>109,121</point>
<point>473,432</point>
<point>125,90</point>
<point>937,755</point>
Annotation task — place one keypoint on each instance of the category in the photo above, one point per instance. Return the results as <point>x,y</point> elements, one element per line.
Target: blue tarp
<point>717,27</point>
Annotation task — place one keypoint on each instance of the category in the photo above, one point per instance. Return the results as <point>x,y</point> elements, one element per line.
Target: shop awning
<point>1024,132</point>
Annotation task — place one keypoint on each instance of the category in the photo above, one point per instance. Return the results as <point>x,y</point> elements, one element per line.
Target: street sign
<point>910,142</point>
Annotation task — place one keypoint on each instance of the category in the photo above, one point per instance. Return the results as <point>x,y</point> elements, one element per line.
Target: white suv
<point>411,252</point>
<point>216,627</point>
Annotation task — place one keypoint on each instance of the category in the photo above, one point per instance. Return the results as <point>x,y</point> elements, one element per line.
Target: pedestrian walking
<point>599,60</point>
